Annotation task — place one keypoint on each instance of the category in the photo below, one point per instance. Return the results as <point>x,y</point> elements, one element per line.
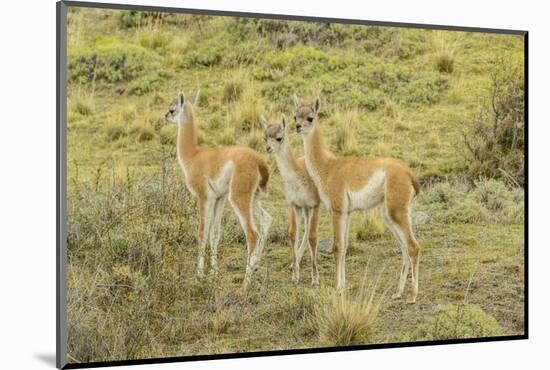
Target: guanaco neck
<point>285,158</point>
<point>315,151</point>
<point>187,136</point>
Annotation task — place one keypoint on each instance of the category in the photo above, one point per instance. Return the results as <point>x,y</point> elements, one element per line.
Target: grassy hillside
<point>418,95</point>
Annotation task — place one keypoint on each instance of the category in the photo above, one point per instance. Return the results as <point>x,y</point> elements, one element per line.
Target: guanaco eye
<point>295,118</point>
<point>310,119</point>
<point>279,139</point>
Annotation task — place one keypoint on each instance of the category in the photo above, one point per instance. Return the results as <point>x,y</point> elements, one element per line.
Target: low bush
<point>115,63</point>
<point>457,321</point>
<point>495,140</point>
<point>486,201</point>
<point>140,19</point>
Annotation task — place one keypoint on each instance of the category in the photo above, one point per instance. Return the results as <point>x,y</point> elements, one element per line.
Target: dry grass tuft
<point>154,39</point>
<point>370,226</point>
<point>346,124</point>
<point>221,322</point>
<point>443,53</point>
<point>345,319</point>
<point>391,109</point>
<point>234,87</point>
<point>244,115</point>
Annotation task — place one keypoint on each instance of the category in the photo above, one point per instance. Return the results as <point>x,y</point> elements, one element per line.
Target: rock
<point>420,218</point>
<point>324,246</point>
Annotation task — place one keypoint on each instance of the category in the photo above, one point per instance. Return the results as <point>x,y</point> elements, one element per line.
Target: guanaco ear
<point>181,99</point>
<point>317,104</point>
<point>196,98</point>
<point>263,121</point>
<point>296,100</point>
<point>283,122</point>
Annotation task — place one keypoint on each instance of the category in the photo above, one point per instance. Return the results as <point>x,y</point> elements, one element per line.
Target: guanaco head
<point>177,111</point>
<point>274,134</point>
<point>306,115</point>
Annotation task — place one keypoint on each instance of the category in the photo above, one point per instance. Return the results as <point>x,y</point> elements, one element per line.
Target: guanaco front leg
<point>305,238</point>
<point>339,220</point>
<point>215,233</point>
<point>295,249</point>
<point>313,221</point>
<point>206,207</point>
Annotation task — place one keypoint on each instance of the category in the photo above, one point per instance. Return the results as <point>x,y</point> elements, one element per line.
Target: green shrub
<point>457,321</point>
<point>207,53</point>
<point>492,193</point>
<point>143,85</point>
<point>443,193</point>
<point>284,34</point>
<point>494,141</point>
<point>487,201</point>
<point>424,90</point>
<point>115,63</point>
<point>138,19</point>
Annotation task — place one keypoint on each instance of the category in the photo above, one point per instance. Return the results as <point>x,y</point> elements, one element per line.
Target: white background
<point>27,182</point>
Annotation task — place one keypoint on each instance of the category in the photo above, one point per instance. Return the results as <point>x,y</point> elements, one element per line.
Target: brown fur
<point>340,179</point>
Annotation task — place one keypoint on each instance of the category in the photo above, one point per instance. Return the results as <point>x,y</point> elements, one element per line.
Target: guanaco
<point>348,184</point>
<point>300,192</point>
<point>213,175</point>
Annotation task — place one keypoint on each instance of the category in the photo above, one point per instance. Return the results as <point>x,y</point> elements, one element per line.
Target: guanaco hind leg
<point>397,214</point>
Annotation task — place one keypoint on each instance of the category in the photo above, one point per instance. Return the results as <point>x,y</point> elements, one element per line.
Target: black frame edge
<point>223,356</point>
<point>61,168</point>
<point>288,17</point>
<point>526,185</point>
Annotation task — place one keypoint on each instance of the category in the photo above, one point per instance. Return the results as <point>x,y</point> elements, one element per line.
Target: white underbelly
<point>220,185</point>
<point>297,194</point>
<point>370,195</point>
